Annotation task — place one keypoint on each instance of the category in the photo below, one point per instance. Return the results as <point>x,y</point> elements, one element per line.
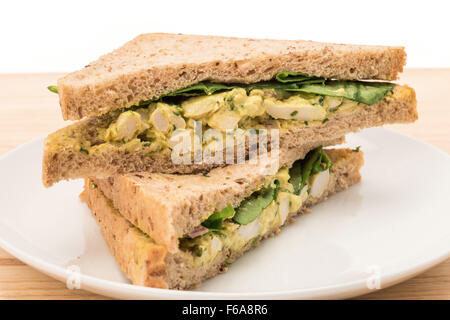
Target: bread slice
<point>147,263</point>
<point>155,64</point>
<point>64,160</point>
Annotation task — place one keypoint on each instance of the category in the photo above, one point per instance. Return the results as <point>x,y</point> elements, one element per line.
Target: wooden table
<point>28,110</point>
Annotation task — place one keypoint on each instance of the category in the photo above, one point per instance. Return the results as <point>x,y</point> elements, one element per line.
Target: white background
<point>47,36</point>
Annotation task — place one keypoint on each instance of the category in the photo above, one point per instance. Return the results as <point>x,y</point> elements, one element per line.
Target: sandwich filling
<point>289,100</point>
<point>264,211</point>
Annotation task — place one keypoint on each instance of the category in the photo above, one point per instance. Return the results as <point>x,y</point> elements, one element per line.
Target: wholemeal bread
<point>65,161</point>
<point>147,263</point>
<point>155,64</point>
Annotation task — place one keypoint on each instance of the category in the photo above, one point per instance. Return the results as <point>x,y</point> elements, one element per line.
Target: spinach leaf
<point>286,77</point>
<point>252,207</point>
<point>271,85</point>
<point>291,77</point>
<point>295,173</point>
<point>315,161</point>
<point>213,225</point>
<point>277,189</point>
<point>200,89</point>
<point>322,164</point>
<point>367,93</point>
<point>267,196</point>
<point>53,89</point>
<point>364,92</point>
<point>308,164</point>
<point>214,222</point>
<point>249,210</point>
<point>288,81</point>
<point>226,212</point>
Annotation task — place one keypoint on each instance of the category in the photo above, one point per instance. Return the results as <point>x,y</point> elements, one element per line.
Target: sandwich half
<point>222,235</point>
<point>152,65</point>
<point>144,98</point>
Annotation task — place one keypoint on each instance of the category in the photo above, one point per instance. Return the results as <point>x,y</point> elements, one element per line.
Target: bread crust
<point>155,64</point>
<point>146,263</point>
<point>67,162</point>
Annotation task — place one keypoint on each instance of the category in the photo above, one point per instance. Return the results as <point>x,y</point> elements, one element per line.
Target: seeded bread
<point>146,263</point>
<point>63,161</point>
<point>154,64</point>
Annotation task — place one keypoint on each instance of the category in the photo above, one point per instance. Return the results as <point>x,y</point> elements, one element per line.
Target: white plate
<point>390,227</point>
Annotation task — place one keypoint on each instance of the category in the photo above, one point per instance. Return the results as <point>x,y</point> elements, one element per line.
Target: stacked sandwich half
<point>195,148</point>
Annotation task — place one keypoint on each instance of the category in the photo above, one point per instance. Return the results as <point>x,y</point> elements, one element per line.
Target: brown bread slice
<point>154,64</point>
<point>63,161</point>
<point>149,264</point>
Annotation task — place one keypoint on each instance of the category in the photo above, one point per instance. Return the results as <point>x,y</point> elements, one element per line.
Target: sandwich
<point>174,231</point>
<point>167,128</point>
<point>142,103</point>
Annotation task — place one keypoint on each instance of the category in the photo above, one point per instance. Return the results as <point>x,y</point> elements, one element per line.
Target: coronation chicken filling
<point>159,125</point>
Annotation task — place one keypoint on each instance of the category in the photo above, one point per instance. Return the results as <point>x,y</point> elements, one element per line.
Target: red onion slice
<point>198,231</point>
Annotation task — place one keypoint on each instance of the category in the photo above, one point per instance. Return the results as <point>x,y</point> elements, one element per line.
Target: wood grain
<point>29,110</point>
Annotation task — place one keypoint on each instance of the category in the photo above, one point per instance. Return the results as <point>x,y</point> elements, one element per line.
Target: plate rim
<point>341,290</point>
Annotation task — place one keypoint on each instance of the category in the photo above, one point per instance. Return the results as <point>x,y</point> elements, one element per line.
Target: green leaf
<point>308,164</point>
<point>291,77</point>
<point>215,225</point>
<point>226,212</point>
<point>315,161</point>
<point>281,86</point>
<point>276,190</point>
<point>266,197</point>
<point>198,89</point>
<point>53,89</point>
<point>272,85</point>
<point>214,221</point>
<point>367,93</point>
<point>248,211</point>
<point>363,92</point>
<point>201,88</point>
<point>251,208</point>
<point>323,164</point>
<point>286,77</point>
<point>295,173</point>
<point>286,81</point>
